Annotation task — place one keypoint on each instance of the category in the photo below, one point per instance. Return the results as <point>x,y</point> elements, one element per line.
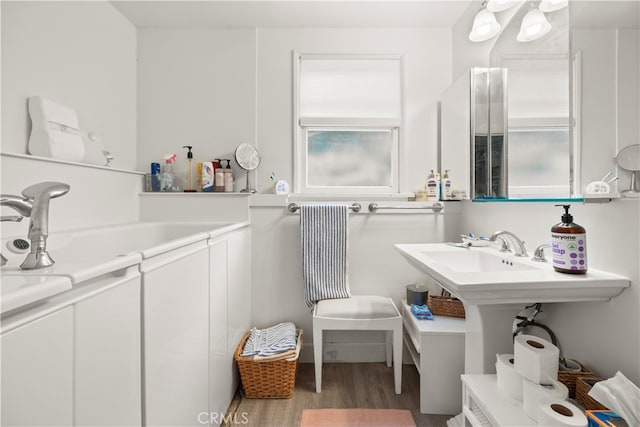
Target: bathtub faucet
<point>34,203</point>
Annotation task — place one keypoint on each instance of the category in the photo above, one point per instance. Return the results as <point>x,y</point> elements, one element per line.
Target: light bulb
<point>552,5</point>
<point>484,27</point>
<point>534,26</point>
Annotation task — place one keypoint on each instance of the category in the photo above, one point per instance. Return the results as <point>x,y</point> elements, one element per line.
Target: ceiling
<point>292,13</point>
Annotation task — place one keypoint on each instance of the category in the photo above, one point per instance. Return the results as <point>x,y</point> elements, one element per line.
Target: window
<point>348,115</point>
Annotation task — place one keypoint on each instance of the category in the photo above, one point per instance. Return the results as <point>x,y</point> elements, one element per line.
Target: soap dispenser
<point>569,245</point>
<point>189,186</point>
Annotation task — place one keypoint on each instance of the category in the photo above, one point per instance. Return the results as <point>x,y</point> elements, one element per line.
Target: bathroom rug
<point>357,418</point>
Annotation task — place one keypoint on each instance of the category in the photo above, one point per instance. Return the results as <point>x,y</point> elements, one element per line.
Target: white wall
<point>375,268</point>
<point>195,87</point>
<point>81,54</point>
<point>427,71</point>
<point>217,88</point>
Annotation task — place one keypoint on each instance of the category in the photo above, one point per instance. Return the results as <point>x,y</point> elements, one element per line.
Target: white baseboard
<point>345,352</point>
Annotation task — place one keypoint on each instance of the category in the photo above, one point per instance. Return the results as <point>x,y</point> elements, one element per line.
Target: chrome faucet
<point>538,254</point>
<point>516,243</point>
<point>34,203</point>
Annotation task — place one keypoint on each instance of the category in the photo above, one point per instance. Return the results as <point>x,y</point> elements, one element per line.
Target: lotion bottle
<point>569,245</point>
<point>218,182</point>
<point>228,177</point>
<point>446,186</point>
<point>433,187</point>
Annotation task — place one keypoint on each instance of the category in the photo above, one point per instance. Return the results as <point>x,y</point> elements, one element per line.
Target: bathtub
<point>85,254</point>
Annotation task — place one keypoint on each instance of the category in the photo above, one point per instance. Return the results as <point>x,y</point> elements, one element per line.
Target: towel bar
<point>436,207</point>
<point>293,207</point>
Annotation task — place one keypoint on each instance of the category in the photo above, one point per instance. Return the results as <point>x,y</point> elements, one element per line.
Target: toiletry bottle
<point>155,176</point>
<point>167,177</point>
<point>432,188</point>
<point>228,177</point>
<point>446,186</point>
<point>206,179</point>
<point>188,172</point>
<point>569,245</point>
<point>218,182</point>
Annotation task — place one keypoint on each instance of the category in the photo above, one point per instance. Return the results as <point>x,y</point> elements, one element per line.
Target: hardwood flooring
<point>344,385</point>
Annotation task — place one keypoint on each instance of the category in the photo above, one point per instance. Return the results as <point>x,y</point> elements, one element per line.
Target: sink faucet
<point>516,243</point>
<point>34,203</point>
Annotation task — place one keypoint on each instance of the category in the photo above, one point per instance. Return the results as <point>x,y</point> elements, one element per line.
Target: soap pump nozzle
<point>567,218</point>
<point>189,153</point>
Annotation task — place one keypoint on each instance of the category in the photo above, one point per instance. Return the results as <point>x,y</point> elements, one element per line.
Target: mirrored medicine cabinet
<point>517,128</point>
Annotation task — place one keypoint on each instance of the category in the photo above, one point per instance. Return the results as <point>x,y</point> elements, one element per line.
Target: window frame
<point>301,125</point>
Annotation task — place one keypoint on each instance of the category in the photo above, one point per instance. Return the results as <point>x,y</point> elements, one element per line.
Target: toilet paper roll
<point>536,359</point>
<point>560,413</point>
<point>534,396</point>
<point>509,380</point>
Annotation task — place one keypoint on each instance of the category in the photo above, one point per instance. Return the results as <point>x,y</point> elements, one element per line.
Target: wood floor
<point>345,385</point>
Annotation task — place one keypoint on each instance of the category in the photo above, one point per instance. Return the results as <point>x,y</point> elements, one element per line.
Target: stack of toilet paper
<point>530,375</point>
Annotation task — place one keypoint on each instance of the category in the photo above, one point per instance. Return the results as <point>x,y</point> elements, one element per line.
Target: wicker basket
<point>445,306</point>
<point>583,385</point>
<point>267,380</point>
<point>569,378</point>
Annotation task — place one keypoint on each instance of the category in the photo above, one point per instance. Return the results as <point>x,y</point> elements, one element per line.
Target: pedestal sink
<point>495,286</point>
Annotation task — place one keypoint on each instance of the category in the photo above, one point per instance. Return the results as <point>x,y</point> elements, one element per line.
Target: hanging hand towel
<point>324,235</point>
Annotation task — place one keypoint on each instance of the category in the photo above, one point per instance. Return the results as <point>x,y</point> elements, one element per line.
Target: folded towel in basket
<point>274,340</point>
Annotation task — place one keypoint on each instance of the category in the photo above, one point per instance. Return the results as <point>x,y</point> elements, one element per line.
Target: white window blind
<point>348,119</point>
<point>350,88</point>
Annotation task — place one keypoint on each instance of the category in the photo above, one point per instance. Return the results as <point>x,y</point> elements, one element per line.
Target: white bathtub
<point>85,254</point>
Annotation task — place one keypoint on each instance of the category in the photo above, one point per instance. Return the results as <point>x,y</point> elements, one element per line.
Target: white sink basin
<point>483,275</point>
<point>475,261</point>
<point>495,287</point>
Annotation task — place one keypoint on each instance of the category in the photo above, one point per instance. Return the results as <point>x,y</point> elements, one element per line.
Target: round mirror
<point>248,158</point>
<point>629,159</point>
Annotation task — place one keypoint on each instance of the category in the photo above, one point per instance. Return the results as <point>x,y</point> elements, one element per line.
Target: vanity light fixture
<point>500,5</point>
<point>552,5</point>
<point>534,26</point>
<point>485,26</point>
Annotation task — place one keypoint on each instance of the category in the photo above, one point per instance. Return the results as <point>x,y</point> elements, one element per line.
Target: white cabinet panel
<point>176,338</point>
<point>37,372</point>
<point>220,368</point>
<point>239,294</point>
<point>107,357</point>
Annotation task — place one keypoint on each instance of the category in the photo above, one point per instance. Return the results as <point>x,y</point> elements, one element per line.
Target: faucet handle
<point>538,254</point>
<point>52,189</point>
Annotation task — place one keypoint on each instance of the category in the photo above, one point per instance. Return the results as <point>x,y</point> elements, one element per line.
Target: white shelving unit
<point>437,349</point>
<point>483,405</point>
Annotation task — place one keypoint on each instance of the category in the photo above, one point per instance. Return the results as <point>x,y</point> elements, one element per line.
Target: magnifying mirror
<point>629,159</point>
<point>248,158</point>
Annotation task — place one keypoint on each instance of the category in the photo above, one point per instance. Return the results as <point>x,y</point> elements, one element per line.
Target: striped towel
<point>274,340</point>
<point>324,233</point>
